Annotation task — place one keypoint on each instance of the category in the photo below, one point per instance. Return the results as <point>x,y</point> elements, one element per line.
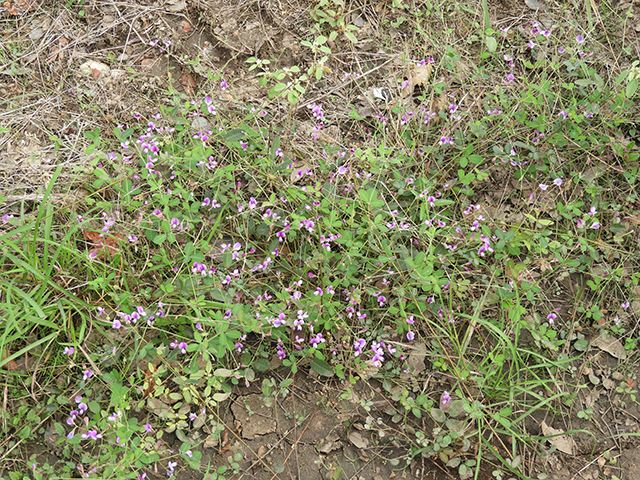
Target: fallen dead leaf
<point>610,345</point>
<point>416,358</point>
<point>226,446</point>
<point>103,244</point>
<point>55,51</point>
<point>358,440</point>
<point>188,83</point>
<point>564,443</point>
<point>11,365</point>
<point>420,76</point>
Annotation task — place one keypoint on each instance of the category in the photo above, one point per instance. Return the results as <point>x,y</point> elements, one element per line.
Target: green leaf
<point>581,344</point>
<point>234,135</point>
<point>159,239</point>
<point>220,397</point>
<point>492,44</point>
<point>438,415</point>
<point>321,367</point>
<point>261,365</point>
<point>352,38</point>
<point>632,87</point>
<point>223,372</point>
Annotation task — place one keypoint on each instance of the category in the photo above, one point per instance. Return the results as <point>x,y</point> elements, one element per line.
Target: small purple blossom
<point>358,345</point>
<point>91,434</point>
<point>317,340</point>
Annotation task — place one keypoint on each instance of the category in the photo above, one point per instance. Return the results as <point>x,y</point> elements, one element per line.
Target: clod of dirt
<point>630,464</point>
<point>255,417</point>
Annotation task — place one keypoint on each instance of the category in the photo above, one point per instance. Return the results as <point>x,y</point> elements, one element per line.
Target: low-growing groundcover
<point>464,249</point>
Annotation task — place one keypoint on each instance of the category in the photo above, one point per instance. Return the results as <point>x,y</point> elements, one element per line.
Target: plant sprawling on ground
<point>211,248</point>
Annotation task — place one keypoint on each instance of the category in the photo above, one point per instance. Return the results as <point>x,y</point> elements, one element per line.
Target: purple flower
<point>170,468</point>
<point>68,351</point>
<point>445,398</point>
<point>358,345</point>
<point>148,428</point>
<point>315,341</point>
<point>87,374</point>
<point>557,181</point>
<point>92,434</point>
<point>223,85</point>
<point>579,39</point>
<point>410,336</point>
<point>551,318</point>
<point>510,78</point>
<point>410,320</point>
<point>625,305</point>
<point>280,320</point>
<point>543,186</point>
<point>595,225</point>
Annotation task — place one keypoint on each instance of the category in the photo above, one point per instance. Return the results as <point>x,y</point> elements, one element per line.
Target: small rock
<point>36,34</point>
<point>91,67</point>
<point>200,123</point>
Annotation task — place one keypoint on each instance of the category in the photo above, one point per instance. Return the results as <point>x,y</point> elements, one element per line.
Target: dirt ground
<point>317,430</point>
